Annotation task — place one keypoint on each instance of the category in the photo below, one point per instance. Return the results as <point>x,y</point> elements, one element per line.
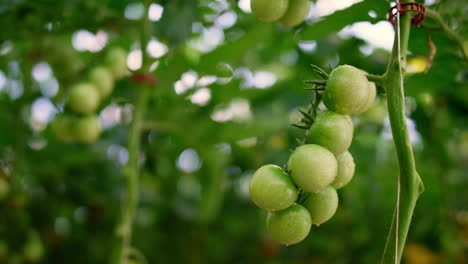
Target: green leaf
<point>176,23</point>
<point>234,50</point>
<point>338,20</point>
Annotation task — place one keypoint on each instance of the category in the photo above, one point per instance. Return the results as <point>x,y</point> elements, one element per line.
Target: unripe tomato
<point>296,13</point>
<point>312,167</point>
<point>33,250</point>
<point>370,100</point>
<point>103,80</point>
<point>289,226</point>
<point>345,170</point>
<point>83,98</point>
<point>272,189</point>
<point>62,128</point>
<point>116,60</point>
<point>269,10</point>
<point>376,113</point>
<point>347,90</point>
<point>87,129</point>
<point>332,131</point>
<point>322,205</point>
<point>63,59</point>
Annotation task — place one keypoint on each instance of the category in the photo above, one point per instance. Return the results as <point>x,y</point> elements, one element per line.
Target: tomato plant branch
<point>132,171</point>
<point>409,181</point>
<point>449,32</point>
<point>378,79</point>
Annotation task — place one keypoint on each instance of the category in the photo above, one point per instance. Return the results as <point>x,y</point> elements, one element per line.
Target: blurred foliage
<point>59,203</point>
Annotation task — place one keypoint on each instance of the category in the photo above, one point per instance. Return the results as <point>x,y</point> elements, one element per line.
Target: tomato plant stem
<point>410,184</point>
<point>131,171</point>
<point>378,79</point>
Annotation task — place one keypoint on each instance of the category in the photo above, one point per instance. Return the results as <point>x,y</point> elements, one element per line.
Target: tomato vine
<point>131,173</point>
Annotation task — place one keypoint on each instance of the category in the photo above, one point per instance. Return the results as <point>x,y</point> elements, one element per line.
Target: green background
<point>63,200</point>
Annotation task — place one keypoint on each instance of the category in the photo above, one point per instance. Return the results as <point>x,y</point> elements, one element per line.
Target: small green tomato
<point>312,167</point>
<point>322,205</point>
<point>347,90</point>
<point>345,170</point>
<point>116,60</point>
<point>272,189</point>
<point>33,250</point>
<point>83,98</point>
<point>62,128</point>
<point>370,100</point>
<point>103,80</point>
<point>296,13</point>
<point>269,10</point>
<point>87,129</point>
<point>289,226</point>
<point>332,131</point>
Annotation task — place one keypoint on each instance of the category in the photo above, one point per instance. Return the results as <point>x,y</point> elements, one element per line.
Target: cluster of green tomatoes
<point>288,12</point>
<point>81,123</point>
<point>305,194</point>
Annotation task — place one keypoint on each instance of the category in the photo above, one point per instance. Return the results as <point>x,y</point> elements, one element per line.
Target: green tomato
<point>272,189</point>
<point>4,188</point>
<point>289,226</point>
<point>62,128</point>
<point>345,170</point>
<point>103,80</point>
<point>87,129</point>
<point>347,90</point>
<point>376,113</point>
<point>332,131</point>
<point>63,59</point>
<point>269,10</point>
<point>312,167</point>
<point>116,60</point>
<point>83,98</point>
<point>296,13</point>
<point>33,250</point>
<point>370,100</point>
<point>322,205</point>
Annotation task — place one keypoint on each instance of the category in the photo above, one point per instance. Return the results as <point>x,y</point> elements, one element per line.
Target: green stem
<point>410,184</point>
<point>132,171</point>
<point>449,32</point>
<point>378,79</point>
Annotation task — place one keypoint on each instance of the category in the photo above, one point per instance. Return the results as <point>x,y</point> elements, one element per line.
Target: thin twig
<point>320,82</point>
